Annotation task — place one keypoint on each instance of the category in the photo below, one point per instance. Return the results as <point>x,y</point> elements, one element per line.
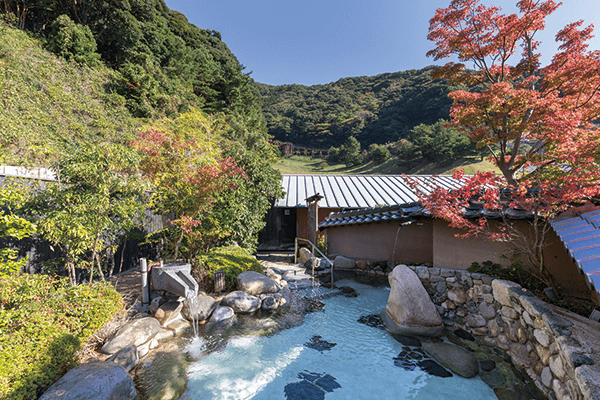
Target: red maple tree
<point>187,173</point>
<point>539,122</point>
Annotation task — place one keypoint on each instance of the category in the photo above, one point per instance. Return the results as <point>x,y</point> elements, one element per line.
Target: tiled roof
<point>357,191</point>
<point>411,211</point>
<point>581,237</point>
<point>404,213</point>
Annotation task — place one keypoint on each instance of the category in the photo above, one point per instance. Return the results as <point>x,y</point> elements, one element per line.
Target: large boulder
<point>241,302</point>
<point>342,262</point>
<point>104,380</point>
<point>136,332</point>
<point>304,255</point>
<point>168,312</point>
<point>222,313</point>
<point>409,310</point>
<point>255,283</point>
<point>199,309</point>
<point>455,358</point>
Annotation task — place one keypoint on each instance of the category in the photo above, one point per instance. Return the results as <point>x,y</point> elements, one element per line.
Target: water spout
<point>396,240</point>
<point>192,304</point>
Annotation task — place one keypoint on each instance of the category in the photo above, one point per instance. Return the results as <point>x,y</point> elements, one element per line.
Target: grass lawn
<point>308,165</point>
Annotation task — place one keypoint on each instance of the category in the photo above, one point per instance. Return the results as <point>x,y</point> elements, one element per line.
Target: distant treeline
<point>377,109</point>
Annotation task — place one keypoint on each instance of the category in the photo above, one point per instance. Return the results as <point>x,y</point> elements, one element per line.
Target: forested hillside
<point>377,109</point>
<point>165,63</point>
<point>88,76</point>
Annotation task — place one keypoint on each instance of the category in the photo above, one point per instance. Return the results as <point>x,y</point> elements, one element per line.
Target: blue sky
<point>320,41</point>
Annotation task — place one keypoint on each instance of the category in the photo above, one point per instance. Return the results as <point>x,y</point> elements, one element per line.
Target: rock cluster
<point>510,318</point>
<point>102,380</point>
<point>131,345</point>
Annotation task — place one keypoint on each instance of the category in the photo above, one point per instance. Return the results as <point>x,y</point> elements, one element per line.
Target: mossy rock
<point>162,374</point>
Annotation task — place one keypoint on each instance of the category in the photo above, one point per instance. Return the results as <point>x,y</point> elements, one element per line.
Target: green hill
<point>375,109</point>
<point>97,72</point>
<point>48,104</point>
<point>113,62</point>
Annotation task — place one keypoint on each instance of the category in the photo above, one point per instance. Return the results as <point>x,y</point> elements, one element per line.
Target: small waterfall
<point>395,242</point>
<point>192,304</point>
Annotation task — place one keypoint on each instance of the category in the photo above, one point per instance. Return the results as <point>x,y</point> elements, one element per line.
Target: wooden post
<point>312,203</point>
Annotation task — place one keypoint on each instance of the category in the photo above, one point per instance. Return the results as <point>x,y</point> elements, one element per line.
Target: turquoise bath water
<point>331,356</point>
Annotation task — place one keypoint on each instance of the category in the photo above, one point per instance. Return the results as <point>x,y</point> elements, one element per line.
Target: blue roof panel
<point>575,224</point>
<point>586,253</point>
<point>559,223</point>
<point>587,242</point>
<point>565,233</point>
<point>581,236</point>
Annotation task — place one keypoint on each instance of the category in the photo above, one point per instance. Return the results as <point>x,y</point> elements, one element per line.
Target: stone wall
<point>513,319</point>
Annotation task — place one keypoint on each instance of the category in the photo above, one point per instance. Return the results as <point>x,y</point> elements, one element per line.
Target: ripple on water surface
<point>350,360</point>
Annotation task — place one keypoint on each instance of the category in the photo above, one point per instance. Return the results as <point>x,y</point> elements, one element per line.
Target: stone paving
<point>297,276</point>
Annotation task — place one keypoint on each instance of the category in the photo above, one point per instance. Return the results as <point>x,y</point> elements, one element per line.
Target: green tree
<point>13,196</point>
<point>73,41</point>
<point>350,153</point>
<point>441,143</point>
<point>184,163</point>
<point>98,198</point>
<point>379,153</point>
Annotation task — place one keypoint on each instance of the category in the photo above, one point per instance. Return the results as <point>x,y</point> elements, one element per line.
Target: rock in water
<point>201,309</point>
<point>254,283</point>
<point>127,357</point>
<point>455,358</point>
<point>136,332</point>
<point>409,310</point>
<point>103,380</point>
<point>271,302</point>
<point>162,374</point>
<point>222,313</point>
<point>241,302</point>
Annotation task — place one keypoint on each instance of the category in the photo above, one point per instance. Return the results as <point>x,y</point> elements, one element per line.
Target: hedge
<point>43,323</point>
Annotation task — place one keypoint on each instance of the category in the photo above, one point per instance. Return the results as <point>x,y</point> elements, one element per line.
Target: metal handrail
<point>312,252</point>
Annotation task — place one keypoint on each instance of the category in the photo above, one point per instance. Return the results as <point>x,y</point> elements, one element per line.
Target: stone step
<point>290,277</point>
<point>302,284</point>
<point>318,292</point>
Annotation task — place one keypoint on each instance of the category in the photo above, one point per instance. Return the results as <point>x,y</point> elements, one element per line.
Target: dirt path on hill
<point>129,285</point>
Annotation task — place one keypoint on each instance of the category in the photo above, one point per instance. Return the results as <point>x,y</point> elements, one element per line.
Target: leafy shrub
<point>13,194</point>
<point>516,272</point>
<point>379,153</point>
<point>232,259</point>
<point>43,321</point>
<point>73,41</point>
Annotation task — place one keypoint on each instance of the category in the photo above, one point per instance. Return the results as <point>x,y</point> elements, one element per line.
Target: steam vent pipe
<point>145,291</point>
